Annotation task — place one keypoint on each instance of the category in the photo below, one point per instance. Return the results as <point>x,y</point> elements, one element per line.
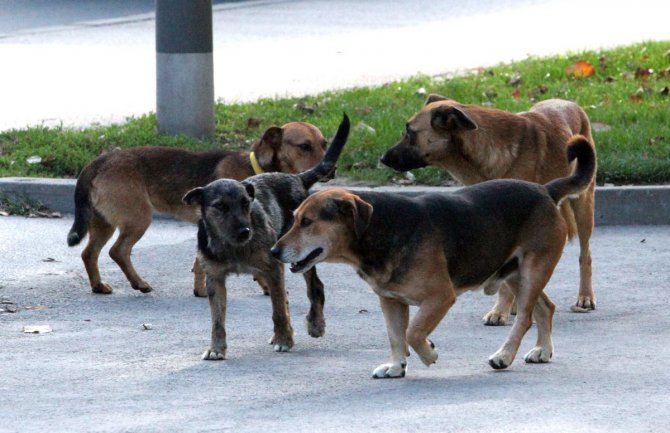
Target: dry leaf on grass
<point>580,69</point>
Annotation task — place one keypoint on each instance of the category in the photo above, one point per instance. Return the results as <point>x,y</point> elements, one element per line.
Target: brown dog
<point>428,249</point>
<point>123,188</point>
<point>476,144</point>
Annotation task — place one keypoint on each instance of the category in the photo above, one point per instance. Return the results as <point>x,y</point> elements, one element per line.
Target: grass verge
<point>626,97</point>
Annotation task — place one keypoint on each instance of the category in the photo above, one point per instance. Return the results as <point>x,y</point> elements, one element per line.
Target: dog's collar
<point>254,164</point>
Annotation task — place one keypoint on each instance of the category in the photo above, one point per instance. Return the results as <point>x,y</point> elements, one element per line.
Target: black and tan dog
<point>427,250</point>
<point>240,222</point>
<point>123,188</point>
<point>476,144</point>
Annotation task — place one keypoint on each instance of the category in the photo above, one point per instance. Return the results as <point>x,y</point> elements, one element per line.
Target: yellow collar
<point>254,164</point>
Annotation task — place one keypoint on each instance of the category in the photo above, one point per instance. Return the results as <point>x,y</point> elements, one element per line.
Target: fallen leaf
<point>363,110</point>
<point>361,126</point>
<point>37,307</point>
<point>610,79</point>
<point>515,79</point>
<point>600,126</point>
<point>302,106</point>
<point>580,69</point>
<point>147,326</point>
<point>49,260</point>
<point>654,140</point>
<point>363,311</point>
<point>602,63</point>
<point>643,73</point>
<point>516,94</point>
<point>36,329</point>
<point>253,122</point>
<point>635,97</point>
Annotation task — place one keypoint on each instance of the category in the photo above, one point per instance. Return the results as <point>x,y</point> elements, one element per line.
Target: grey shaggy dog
<point>240,221</point>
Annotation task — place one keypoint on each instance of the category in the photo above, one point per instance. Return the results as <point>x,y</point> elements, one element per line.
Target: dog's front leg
<point>396,315</point>
<point>431,312</point>
<point>216,291</point>
<point>282,339</point>
<point>199,284</point>
<point>316,323</point>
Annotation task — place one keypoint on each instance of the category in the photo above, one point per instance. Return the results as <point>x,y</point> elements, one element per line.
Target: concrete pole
<point>184,68</point>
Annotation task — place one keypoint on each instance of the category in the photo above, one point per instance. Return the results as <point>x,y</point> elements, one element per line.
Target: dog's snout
<point>275,251</point>
<point>383,159</point>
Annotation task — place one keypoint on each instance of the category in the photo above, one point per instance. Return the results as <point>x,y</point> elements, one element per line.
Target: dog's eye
<point>305,222</point>
<point>221,206</point>
<point>305,147</point>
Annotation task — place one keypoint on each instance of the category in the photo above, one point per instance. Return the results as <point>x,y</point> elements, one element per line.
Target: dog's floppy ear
<point>194,196</point>
<point>434,98</point>
<point>266,148</point>
<point>250,189</point>
<point>451,119</point>
<point>359,209</point>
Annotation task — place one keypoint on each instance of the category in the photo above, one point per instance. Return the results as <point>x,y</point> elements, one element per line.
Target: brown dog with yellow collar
<point>121,189</point>
<point>428,249</point>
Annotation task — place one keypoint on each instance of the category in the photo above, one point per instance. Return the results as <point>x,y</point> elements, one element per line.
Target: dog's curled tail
<point>82,203</point>
<point>582,149</point>
<point>327,165</point>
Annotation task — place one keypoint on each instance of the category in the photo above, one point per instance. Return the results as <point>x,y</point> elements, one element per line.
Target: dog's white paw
<point>214,355</point>
<point>538,355</point>
<point>280,346</point>
<point>495,318</point>
<point>500,360</point>
<point>390,371</point>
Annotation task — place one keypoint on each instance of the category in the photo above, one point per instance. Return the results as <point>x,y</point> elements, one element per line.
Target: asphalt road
<point>99,371</point>
<point>104,70</point>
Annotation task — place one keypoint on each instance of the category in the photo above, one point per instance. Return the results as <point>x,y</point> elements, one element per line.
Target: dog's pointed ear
<point>360,210</point>
<point>266,148</point>
<point>448,118</point>
<point>251,190</point>
<point>194,196</point>
<point>434,98</point>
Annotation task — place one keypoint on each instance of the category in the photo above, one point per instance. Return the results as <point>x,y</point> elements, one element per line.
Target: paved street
<point>100,371</point>
<point>101,68</point>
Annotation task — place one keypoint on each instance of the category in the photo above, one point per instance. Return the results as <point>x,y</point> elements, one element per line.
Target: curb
<point>615,205</point>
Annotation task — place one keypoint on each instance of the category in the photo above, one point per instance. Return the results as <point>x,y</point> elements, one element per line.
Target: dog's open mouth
<point>304,263</point>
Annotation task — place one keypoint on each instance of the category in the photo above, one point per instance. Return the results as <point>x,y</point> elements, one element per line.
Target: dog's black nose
<point>383,159</point>
<point>243,233</point>
<point>275,251</point>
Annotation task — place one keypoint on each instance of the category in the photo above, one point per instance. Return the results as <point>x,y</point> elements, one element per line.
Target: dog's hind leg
<point>217,294</point>
<point>499,314</point>
<point>316,323</point>
<point>583,208</point>
<point>535,271</point>
<point>396,315</point>
<point>543,313</point>
<point>282,340</point>
<point>129,234</point>
<point>99,233</point>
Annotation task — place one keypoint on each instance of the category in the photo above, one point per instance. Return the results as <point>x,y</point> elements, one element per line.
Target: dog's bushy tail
<point>82,203</point>
<point>582,149</point>
<point>327,165</point>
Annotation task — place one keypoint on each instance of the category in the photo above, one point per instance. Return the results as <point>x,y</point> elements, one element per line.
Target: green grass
<point>633,147</point>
